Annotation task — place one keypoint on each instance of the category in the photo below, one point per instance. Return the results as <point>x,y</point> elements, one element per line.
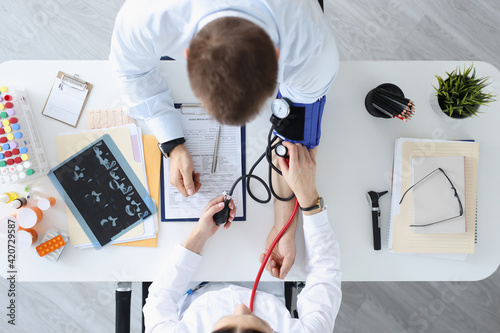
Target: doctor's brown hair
<point>233,69</point>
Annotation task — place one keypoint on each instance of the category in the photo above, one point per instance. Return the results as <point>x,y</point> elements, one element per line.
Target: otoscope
<point>372,198</point>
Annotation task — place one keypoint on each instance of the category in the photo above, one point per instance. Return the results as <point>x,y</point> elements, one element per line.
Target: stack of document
<point>129,141</point>
<point>433,199</point>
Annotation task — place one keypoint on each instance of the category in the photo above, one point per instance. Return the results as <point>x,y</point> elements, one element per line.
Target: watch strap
<point>319,204</point>
<point>166,147</point>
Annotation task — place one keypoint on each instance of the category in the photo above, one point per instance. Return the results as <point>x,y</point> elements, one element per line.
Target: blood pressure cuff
<point>303,124</point>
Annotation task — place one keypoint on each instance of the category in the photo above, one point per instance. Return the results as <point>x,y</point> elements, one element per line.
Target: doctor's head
<point>233,69</point>
<point>242,321</point>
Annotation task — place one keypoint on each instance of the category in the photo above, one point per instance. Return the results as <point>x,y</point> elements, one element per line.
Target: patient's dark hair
<point>233,69</point>
<point>237,330</point>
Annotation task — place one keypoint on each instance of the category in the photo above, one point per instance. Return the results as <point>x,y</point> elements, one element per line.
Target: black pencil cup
<point>369,99</point>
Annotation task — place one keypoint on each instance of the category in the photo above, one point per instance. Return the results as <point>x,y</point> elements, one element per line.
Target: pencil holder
<point>388,101</point>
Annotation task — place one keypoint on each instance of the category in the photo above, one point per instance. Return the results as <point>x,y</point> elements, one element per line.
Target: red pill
<point>2,131</point>
<point>7,154</point>
<point>3,139</point>
<point>18,160</point>
<point>9,105</point>
<point>8,98</point>
<point>10,161</point>
<point>15,151</point>
<point>13,120</point>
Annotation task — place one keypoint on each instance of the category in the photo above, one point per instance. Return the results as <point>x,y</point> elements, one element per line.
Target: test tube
<point>18,203</point>
<point>32,193</point>
<point>8,197</point>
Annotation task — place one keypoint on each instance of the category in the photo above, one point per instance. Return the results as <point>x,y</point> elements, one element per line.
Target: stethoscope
<point>280,110</point>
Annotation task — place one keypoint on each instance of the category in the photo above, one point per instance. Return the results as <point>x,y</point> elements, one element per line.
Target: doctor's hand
<point>300,173</point>
<point>206,227</point>
<point>182,174</point>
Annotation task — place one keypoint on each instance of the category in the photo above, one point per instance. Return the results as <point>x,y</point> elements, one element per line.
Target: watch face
<point>280,108</point>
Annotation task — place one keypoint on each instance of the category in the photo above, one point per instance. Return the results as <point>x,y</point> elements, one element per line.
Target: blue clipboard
<point>243,184</point>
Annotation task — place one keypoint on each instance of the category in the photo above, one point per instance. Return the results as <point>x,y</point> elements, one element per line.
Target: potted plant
<point>461,93</point>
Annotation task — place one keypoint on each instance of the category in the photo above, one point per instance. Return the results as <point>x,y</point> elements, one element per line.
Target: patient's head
<point>242,321</point>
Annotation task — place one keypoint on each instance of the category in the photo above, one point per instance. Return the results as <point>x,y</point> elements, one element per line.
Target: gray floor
<point>365,30</point>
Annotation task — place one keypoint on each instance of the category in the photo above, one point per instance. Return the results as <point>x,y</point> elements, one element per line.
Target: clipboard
<point>190,108</point>
<point>190,213</point>
<point>67,98</point>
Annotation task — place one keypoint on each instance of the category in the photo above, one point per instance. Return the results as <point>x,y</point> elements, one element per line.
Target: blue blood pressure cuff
<point>303,124</point>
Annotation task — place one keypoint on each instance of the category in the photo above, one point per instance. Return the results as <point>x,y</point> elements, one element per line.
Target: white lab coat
<point>318,303</point>
<point>146,30</point>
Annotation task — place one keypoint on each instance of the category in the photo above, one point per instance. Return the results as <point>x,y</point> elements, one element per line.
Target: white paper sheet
<point>433,198</point>
<point>200,131</point>
<point>65,103</point>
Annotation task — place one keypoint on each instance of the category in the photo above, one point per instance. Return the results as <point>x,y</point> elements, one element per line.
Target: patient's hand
<point>283,256</point>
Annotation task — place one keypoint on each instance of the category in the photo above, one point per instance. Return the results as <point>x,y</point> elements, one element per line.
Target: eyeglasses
<point>456,196</point>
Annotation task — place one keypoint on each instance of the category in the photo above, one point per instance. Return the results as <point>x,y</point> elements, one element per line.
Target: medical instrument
<point>281,151</point>
<point>219,217</point>
<point>280,111</point>
<point>372,198</point>
<point>222,216</point>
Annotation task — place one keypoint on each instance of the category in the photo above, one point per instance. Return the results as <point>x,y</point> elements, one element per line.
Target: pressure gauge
<point>280,108</point>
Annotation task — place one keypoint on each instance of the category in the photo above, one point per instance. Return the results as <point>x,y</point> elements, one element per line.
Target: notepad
<point>67,99</point>
<point>401,238</point>
<point>433,198</point>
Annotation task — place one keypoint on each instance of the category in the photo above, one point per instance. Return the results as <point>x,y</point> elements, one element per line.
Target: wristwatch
<point>319,204</point>
<point>167,147</point>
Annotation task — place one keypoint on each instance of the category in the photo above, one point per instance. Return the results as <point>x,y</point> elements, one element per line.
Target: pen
<point>216,150</point>
<point>190,291</point>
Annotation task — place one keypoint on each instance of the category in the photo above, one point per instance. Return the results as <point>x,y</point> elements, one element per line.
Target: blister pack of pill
<point>21,151</point>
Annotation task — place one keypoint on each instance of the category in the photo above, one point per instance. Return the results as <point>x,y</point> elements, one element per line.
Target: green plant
<point>461,94</point>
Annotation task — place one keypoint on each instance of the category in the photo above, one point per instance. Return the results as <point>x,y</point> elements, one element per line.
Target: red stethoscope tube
<point>269,251</point>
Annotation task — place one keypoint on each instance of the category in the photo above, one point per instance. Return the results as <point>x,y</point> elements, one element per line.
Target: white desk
<point>355,156</point>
